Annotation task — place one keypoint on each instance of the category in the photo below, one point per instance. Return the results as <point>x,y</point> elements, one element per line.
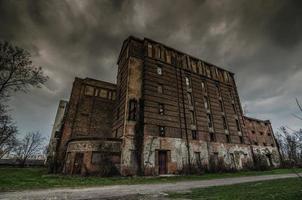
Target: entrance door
<point>162,162</point>
<point>78,162</point>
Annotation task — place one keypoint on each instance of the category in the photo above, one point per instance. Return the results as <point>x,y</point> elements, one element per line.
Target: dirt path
<point>122,191</point>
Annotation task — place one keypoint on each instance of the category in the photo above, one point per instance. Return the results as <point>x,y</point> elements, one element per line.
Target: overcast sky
<point>260,41</point>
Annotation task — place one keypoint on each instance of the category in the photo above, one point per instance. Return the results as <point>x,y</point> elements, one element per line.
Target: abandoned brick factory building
<point>167,111</point>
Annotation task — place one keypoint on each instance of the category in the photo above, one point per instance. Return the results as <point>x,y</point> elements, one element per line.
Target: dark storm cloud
<point>258,40</point>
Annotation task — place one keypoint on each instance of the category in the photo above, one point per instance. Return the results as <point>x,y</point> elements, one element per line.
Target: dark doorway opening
<point>162,162</point>
<point>78,163</point>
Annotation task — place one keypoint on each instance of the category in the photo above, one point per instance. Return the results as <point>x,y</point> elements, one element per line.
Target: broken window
<point>161,109</point>
<point>132,109</point>
<point>159,70</point>
<point>194,135</point>
<point>89,90</point>
<point>162,131</point>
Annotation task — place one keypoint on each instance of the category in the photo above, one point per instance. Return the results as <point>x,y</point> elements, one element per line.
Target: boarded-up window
<point>89,90</point>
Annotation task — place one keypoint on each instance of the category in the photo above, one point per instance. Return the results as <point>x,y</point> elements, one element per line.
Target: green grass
<point>276,189</point>
<point>35,178</point>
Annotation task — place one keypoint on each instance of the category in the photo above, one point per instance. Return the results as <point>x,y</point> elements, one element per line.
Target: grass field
<point>290,189</point>
<point>34,178</point>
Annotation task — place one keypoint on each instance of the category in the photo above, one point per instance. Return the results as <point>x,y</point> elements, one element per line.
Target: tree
<point>30,145</point>
<point>8,132</point>
<point>17,72</point>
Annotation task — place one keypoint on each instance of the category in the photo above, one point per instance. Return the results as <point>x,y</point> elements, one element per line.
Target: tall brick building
<point>170,110</point>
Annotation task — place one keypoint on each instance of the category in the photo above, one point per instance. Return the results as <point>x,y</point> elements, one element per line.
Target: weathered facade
<point>172,110</point>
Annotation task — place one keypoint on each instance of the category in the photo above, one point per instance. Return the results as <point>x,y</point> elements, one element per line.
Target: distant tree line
<point>17,74</point>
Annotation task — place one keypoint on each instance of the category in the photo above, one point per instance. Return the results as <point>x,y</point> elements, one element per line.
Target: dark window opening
<point>162,131</point>
<point>261,133</point>
<point>237,124</point>
<point>212,137</point>
<point>224,123</point>
<point>269,134</point>
<point>194,134</point>
<point>132,109</point>
<point>209,120</point>
<point>221,105</point>
<point>228,138</point>
<point>264,144</point>
<point>161,109</point>
<point>253,132</point>
<point>241,139</point>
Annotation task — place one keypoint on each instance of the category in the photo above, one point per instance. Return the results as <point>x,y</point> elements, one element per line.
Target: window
<point>161,109</point>
<point>189,98</point>
<point>272,145</point>
<point>231,94</point>
<point>224,123</point>
<point>255,143</point>
<point>132,109</point>
<point>264,144</point>
<point>237,124</point>
<point>118,113</point>
<point>159,70</point>
<point>261,133</point>
<point>228,138</point>
<point>89,90</point>
<point>96,158</point>
<point>209,120</point>
<point>268,134</point>
<point>194,135</point>
<point>162,131</point>
<point>218,91</point>
<point>234,108</point>
<point>197,158</point>
<point>103,93</point>
<point>113,96</point>
<point>203,85</point>
<point>221,105</point>
<point>206,102</point>
<point>150,50</point>
<point>96,92</point>
<point>241,139</point>
<point>212,137</point>
<point>160,88</point>
<point>188,81</point>
<point>192,116</point>
<point>109,94</point>
<point>253,132</point>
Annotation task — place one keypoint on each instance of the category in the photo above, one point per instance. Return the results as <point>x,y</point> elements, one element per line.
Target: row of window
<point>261,133</point>
<point>264,144</point>
<point>162,133</point>
<point>187,62</point>
<point>99,92</point>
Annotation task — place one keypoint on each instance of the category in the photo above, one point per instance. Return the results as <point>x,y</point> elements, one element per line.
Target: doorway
<point>78,162</point>
<point>162,162</point>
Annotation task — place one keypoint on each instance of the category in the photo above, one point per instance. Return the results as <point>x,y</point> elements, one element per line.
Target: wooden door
<point>162,162</point>
<point>78,162</point>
